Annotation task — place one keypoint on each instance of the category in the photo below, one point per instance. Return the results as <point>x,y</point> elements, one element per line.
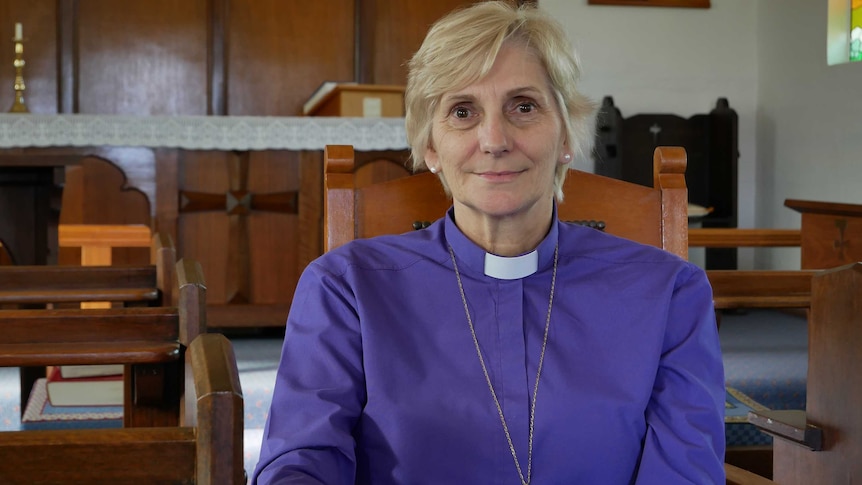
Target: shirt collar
<point>478,261</point>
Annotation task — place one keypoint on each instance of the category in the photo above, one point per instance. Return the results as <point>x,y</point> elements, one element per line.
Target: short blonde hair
<point>461,48</point>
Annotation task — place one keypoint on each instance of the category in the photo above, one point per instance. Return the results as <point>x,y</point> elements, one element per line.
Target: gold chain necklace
<point>488,378</point>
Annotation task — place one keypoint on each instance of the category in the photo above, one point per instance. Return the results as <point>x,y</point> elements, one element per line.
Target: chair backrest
<point>655,216</point>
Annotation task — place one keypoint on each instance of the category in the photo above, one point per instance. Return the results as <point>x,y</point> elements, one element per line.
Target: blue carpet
<point>766,356</point>
<point>766,360</point>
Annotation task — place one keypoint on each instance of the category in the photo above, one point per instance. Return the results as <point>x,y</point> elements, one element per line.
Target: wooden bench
<point>823,444</point>
<point>150,285</point>
<point>826,236</point>
<point>148,340</point>
<point>740,476</point>
<point>737,289</point>
<point>205,448</point>
<point>89,286</point>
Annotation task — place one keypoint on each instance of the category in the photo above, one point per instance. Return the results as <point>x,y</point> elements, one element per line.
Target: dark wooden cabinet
<point>624,148</point>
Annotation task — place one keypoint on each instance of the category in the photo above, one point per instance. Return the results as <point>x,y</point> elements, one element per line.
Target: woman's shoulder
<point>388,252</point>
<point>601,255</point>
<point>595,244</point>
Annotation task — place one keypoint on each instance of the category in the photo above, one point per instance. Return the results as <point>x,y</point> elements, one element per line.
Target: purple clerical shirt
<point>380,381</point>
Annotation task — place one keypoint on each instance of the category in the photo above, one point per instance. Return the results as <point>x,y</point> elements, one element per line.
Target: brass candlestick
<point>19,105</point>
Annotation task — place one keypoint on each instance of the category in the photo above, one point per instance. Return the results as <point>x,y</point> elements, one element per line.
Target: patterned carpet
<point>766,362</point>
<point>765,357</point>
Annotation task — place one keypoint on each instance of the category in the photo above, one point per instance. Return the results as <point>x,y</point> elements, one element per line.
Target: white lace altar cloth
<point>201,132</point>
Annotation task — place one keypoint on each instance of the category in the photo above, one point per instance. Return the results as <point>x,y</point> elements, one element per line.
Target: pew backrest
<point>206,448</point>
<point>147,340</point>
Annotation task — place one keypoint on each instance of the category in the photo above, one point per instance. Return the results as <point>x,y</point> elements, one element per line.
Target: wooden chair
<point>148,340</point>
<point>354,206</point>
<point>205,448</point>
<point>395,206</point>
<point>823,444</point>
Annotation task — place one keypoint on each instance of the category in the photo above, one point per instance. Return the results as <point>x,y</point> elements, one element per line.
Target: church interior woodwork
<point>252,218</point>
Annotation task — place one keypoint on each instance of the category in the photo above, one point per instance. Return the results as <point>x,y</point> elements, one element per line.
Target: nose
<point>493,135</point>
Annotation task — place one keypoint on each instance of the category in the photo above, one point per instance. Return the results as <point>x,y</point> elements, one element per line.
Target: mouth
<point>501,176</point>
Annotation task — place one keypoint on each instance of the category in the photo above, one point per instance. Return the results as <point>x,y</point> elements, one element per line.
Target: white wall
<point>673,60</point>
<point>809,118</point>
<point>800,121</point>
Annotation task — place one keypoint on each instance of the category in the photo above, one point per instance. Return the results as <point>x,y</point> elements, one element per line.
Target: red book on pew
<point>84,391</point>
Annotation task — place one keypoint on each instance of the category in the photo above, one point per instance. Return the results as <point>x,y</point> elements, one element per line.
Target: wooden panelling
<point>391,31</point>
<point>142,57</point>
<point>204,234</point>
<point>249,256</point>
<point>279,51</point>
<point>208,57</point>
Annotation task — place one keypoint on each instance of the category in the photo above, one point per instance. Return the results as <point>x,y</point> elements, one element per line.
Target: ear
<point>565,155</point>
<point>432,158</point>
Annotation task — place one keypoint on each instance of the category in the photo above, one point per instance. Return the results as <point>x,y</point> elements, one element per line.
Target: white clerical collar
<point>511,268</point>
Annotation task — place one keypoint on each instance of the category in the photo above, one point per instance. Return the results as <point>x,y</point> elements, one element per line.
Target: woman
<point>498,345</point>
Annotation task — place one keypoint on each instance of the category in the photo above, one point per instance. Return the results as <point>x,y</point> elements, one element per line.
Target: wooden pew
<point>206,447</point>
<point>148,340</point>
<point>712,237</point>
<point>150,285</point>
<point>823,444</point>
<point>825,236</point>
<point>97,242</point>
<point>740,476</point>
<point>757,289</point>
<point>828,238</point>
<point>40,286</point>
<point>735,289</point>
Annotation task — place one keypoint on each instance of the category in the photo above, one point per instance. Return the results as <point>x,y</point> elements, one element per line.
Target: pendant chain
<point>524,481</point>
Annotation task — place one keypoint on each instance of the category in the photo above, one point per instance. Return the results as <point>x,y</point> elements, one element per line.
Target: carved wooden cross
<point>238,203</point>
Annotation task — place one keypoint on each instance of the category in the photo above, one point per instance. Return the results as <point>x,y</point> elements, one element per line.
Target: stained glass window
<point>856,31</point>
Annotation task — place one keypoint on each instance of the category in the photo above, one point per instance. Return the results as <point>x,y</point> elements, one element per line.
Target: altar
<point>242,195</point>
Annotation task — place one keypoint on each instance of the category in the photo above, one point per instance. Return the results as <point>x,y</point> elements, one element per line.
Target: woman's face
<point>498,141</point>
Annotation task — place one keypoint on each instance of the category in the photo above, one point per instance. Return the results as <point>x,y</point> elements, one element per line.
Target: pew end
<point>205,449</point>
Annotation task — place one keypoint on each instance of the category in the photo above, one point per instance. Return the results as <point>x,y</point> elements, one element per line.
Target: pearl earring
<point>432,169</point>
<point>567,157</point>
